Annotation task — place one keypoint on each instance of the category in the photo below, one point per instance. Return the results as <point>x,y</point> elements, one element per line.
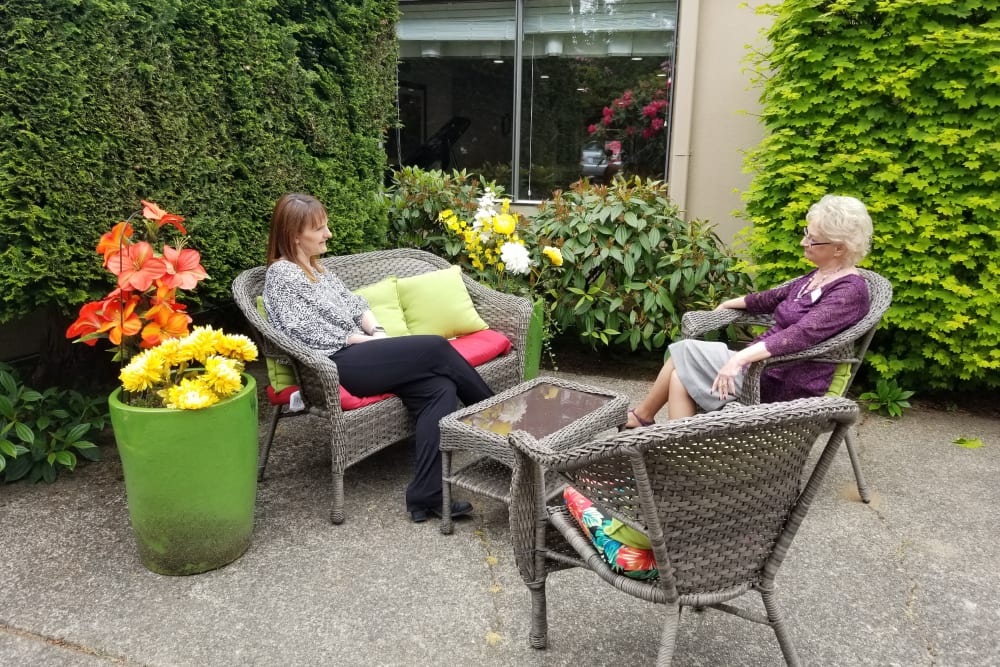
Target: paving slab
<point>911,579</point>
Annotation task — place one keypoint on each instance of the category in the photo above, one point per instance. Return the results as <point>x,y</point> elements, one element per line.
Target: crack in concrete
<point>64,644</point>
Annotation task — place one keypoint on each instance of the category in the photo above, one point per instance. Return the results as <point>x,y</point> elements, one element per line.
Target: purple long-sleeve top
<point>802,320</point>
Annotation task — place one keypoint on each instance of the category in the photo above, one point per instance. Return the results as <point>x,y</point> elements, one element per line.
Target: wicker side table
<point>556,412</point>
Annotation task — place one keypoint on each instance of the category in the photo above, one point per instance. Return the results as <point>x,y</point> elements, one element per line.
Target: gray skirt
<point>698,363</point>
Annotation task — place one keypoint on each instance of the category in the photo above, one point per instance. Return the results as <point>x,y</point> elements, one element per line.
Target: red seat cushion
<point>477,348</point>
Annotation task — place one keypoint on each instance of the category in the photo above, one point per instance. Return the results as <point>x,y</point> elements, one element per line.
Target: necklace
<point>813,285</point>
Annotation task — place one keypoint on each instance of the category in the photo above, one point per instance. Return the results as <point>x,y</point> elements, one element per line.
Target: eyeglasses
<point>809,240</point>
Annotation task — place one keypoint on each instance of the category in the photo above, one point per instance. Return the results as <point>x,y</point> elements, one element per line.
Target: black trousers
<point>430,377</point>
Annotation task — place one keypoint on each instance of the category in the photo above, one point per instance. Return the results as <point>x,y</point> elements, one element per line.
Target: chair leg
<point>446,526</point>
<point>266,447</point>
<point>337,508</point>
<point>539,636</point>
<point>856,464</point>
<point>668,638</point>
<point>777,624</point>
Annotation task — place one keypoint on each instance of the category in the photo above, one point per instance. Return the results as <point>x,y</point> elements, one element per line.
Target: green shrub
<point>415,199</point>
<point>897,103</point>
<point>43,432</point>
<point>212,108</point>
<point>632,265</point>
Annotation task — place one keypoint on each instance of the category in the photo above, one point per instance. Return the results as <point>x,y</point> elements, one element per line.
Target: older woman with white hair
<point>806,311</point>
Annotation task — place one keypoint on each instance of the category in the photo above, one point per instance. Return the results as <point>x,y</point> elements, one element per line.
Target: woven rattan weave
<point>489,475</point>
<point>357,434</point>
<point>719,494</point>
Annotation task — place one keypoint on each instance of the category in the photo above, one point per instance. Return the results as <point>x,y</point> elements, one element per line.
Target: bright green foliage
<point>632,265</point>
<point>896,102</point>
<point>888,396</point>
<point>211,108</point>
<point>43,432</point>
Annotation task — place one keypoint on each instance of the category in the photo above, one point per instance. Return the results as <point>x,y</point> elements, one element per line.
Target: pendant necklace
<point>809,287</point>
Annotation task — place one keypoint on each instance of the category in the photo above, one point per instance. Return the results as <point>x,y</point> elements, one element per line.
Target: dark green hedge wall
<point>212,108</point>
<point>897,103</point>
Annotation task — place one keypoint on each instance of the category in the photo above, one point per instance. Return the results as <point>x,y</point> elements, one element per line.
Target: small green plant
<point>632,265</point>
<point>42,432</point>
<point>887,397</point>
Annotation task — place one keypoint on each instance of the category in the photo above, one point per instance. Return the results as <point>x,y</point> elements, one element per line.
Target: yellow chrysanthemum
<point>200,343</point>
<point>554,255</point>
<point>170,352</point>
<point>190,394</point>
<point>236,346</point>
<point>505,224</point>
<point>143,372</point>
<point>222,375</point>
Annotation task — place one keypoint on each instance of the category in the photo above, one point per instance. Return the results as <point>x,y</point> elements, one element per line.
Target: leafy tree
<point>213,108</point>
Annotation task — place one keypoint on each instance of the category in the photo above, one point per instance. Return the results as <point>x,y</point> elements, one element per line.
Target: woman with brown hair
<point>314,307</point>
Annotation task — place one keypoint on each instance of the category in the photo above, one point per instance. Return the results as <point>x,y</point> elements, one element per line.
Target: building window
<point>535,94</point>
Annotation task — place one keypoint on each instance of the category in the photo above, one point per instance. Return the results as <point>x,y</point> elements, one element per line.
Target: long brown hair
<point>293,214</point>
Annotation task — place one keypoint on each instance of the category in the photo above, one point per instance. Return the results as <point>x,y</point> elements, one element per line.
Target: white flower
<point>515,257</point>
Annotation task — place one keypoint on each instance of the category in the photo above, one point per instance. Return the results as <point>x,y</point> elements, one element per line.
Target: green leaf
<point>24,433</point>
<point>969,443</point>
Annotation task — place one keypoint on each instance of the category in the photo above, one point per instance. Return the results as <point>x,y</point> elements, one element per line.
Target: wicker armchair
<point>357,434</point>
<point>847,347</point>
<point>718,495</point>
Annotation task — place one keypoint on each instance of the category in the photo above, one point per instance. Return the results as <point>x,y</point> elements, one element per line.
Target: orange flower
<point>120,320</point>
<point>113,241</point>
<point>184,269</point>
<point>137,267</point>
<point>88,324</point>
<point>165,324</point>
<point>151,211</point>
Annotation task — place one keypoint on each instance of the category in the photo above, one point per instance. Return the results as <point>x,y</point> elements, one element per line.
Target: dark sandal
<point>642,422</point>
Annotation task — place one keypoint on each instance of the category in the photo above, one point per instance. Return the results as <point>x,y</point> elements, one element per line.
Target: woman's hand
<point>725,381</point>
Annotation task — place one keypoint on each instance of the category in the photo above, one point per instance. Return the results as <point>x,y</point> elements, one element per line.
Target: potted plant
<point>185,417</point>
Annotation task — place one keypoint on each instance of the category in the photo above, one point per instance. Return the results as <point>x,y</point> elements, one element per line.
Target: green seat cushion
<point>383,297</point>
<point>438,303</point>
<point>279,375</point>
<point>841,376</point>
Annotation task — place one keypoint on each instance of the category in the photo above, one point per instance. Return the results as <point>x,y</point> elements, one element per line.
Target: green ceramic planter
<point>190,480</point>
<point>533,345</point>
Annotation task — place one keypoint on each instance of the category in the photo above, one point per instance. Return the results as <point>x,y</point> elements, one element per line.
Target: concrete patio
<point>911,579</point>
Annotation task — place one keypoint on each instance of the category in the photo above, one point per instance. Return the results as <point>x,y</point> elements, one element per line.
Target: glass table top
<point>541,410</point>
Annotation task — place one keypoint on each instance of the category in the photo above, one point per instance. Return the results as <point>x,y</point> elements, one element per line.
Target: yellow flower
<point>199,344</point>
<point>222,375</point>
<point>505,224</point>
<point>505,206</point>
<point>190,394</point>
<point>236,346</point>
<point>554,255</point>
<point>143,372</point>
<point>446,215</point>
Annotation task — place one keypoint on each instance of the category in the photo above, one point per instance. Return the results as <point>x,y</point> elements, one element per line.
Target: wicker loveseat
<point>358,433</point>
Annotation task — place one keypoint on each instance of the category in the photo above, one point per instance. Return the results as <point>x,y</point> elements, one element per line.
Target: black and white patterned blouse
<point>320,314</point>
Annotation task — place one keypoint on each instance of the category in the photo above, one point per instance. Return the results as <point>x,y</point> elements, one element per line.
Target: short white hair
<point>843,220</point>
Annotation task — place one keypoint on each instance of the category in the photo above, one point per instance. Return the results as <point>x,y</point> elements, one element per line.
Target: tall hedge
<point>212,108</point>
<point>898,103</point>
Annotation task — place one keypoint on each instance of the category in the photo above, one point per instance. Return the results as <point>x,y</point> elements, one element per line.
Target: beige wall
<point>715,109</point>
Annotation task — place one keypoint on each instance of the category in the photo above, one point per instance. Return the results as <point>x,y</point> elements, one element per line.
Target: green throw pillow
<point>281,376</point>
<point>384,301</point>
<point>838,386</point>
<point>438,303</point>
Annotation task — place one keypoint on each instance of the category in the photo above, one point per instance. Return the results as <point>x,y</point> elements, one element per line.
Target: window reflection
<point>594,94</point>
